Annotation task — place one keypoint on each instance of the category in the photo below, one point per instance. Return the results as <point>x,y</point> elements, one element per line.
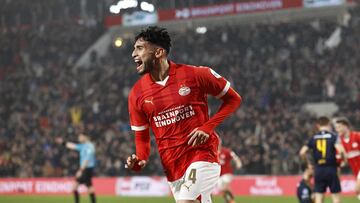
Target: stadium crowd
<point>276,67</point>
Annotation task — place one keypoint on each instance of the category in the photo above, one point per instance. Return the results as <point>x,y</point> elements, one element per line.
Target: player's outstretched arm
<point>237,160</point>
<point>69,145</point>
<point>142,143</point>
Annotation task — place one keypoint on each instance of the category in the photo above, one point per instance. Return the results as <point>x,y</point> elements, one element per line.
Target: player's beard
<point>147,66</point>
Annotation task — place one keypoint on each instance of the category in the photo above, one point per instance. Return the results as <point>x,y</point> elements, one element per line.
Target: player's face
<point>144,56</point>
<point>81,138</point>
<point>340,128</point>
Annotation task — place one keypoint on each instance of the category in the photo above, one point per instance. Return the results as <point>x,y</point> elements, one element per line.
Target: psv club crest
<point>184,90</point>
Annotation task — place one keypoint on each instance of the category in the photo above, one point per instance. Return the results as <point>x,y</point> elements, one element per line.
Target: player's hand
<point>238,165</point>
<point>342,164</point>
<point>134,163</point>
<point>197,137</point>
<point>59,140</point>
<point>78,173</point>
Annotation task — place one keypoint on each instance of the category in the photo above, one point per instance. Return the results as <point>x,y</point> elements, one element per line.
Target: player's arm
<point>303,151</point>
<point>142,143</point>
<point>312,198</point>
<point>69,145</point>
<point>340,149</point>
<point>89,154</point>
<point>212,83</point>
<point>139,124</point>
<point>82,168</point>
<point>84,165</point>
<point>236,159</point>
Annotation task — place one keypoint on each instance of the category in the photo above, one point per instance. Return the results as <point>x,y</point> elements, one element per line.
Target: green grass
<point>112,199</point>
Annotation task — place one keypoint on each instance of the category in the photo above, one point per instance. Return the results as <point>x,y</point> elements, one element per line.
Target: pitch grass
<point>113,199</point>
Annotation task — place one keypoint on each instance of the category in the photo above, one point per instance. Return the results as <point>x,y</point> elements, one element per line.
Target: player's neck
<point>160,70</point>
<point>324,128</point>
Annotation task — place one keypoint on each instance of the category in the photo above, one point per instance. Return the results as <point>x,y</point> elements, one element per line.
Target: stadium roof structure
<point>238,13</point>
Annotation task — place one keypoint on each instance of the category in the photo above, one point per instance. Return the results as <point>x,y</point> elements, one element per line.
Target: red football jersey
<point>352,149</point>
<point>225,161</point>
<point>173,108</point>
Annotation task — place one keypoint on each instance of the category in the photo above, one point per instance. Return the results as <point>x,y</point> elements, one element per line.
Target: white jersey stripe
<point>139,128</point>
<point>352,154</point>
<point>224,91</point>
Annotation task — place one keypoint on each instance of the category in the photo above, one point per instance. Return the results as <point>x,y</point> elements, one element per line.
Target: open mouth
<point>139,64</point>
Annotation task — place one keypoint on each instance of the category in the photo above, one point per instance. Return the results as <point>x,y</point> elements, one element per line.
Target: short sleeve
<point>138,119</point>
<point>78,147</point>
<point>211,82</point>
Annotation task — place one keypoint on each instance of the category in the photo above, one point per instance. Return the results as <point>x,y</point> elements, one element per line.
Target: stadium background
<point>65,66</point>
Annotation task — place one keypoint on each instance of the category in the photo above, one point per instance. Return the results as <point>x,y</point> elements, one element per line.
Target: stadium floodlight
<point>118,42</point>
<point>201,30</point>
<point>145,6</point>
<point>123,4</point>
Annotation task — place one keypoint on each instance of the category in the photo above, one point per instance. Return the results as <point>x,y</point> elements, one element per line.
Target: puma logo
<point>149,101</point>
<point>187,187</point>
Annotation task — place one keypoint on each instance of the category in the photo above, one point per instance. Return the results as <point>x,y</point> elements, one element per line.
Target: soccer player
<point>351,143</point>
<point>171,99</point>
<point>226,156</point>
<point>87,163</point>
<point>324,145</point>
<point>304,189</point>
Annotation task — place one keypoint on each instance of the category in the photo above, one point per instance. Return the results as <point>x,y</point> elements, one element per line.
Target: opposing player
<point>87,163</point>
<point>304,189</point>
<point>226,156</point>
<point>171,99</point>
<point>324,145</point>
<point>351,143</point>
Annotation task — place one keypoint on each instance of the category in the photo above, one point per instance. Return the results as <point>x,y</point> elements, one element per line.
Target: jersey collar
<point>172,67</point>
<point>172,71</point>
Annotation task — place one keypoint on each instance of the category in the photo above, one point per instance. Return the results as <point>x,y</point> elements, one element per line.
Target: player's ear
<point>159,52</point>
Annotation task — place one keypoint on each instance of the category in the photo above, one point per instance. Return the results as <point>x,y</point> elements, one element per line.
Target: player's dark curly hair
<point>156,35</point>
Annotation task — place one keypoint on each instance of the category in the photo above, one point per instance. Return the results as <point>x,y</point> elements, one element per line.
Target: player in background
<point>171,99</point>
<point>84,175</point>
<point>324,145</point>
<point>351,142</point>
<point>226,156</point>
<point>304,189</point>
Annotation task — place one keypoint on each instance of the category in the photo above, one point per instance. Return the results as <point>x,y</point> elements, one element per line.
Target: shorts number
<point>192,175</point>
<point>321,146</point>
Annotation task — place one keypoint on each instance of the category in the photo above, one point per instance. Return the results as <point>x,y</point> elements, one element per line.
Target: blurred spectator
<point>276,67</point>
